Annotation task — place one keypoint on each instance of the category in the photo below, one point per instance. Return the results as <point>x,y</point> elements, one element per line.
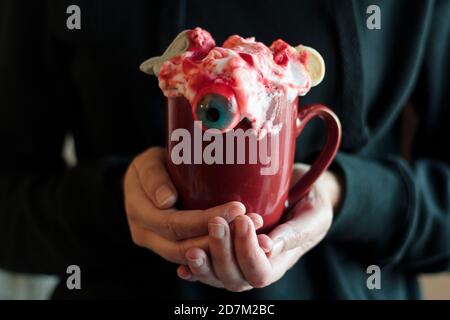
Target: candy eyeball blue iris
<point>216,112</point>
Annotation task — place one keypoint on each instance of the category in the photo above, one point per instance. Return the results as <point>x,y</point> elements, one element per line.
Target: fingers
<point>154,178</point>
<point>191,223</point>
<point>173,224</point>
<point>251,258</point>
<point>256,219</point>
<point>222,268</point>
<point>265,242</point>
<point>200,267</point>
<point>171,251</point>
<point>185,273</point>
<point>310,220</point>
<point>221,250</point>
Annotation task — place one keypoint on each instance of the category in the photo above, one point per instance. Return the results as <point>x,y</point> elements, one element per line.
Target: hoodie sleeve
<point>398,212</point>
<point>51,216</point>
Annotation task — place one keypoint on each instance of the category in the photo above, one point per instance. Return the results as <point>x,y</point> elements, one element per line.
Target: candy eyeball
<point>216,107</point>
<point>216,111</point>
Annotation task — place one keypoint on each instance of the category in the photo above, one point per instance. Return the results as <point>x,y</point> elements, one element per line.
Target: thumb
<point>309,222</point>
<point>154,178</point>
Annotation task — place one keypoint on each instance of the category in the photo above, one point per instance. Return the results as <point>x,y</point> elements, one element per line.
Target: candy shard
<point>178,46</point>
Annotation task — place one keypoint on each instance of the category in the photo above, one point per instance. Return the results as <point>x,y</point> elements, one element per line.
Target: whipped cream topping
<point>256,73</point>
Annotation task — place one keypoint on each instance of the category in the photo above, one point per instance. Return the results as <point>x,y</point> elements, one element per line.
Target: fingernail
<point>233,212</point>
<point>242,227</point>
<point>183,274</point>
<point>257,220</point>
<point>277,247</point>
<point>195,262</point>
<point>164,195</point>
<point>268,248</point>
<point>216,230</point>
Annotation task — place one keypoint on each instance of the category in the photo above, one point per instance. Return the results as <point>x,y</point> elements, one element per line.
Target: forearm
<point>391,213</point>
<point>336,187</point>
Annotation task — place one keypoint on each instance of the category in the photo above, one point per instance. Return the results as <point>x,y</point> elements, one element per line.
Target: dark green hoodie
<point>54,81</point>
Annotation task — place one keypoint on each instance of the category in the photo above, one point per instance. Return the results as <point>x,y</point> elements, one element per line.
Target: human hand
<point>154,223</point>
<point>241,260</point>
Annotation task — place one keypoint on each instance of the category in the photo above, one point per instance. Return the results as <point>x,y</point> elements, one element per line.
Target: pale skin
<point>219,246</point>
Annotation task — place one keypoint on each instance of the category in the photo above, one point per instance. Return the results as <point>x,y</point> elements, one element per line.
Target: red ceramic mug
<point>202,184</point>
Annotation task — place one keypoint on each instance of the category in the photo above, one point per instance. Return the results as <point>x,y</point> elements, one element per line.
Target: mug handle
<point>326,156</point>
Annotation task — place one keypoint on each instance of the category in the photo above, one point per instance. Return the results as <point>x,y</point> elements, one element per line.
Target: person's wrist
<point>335,186</point>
